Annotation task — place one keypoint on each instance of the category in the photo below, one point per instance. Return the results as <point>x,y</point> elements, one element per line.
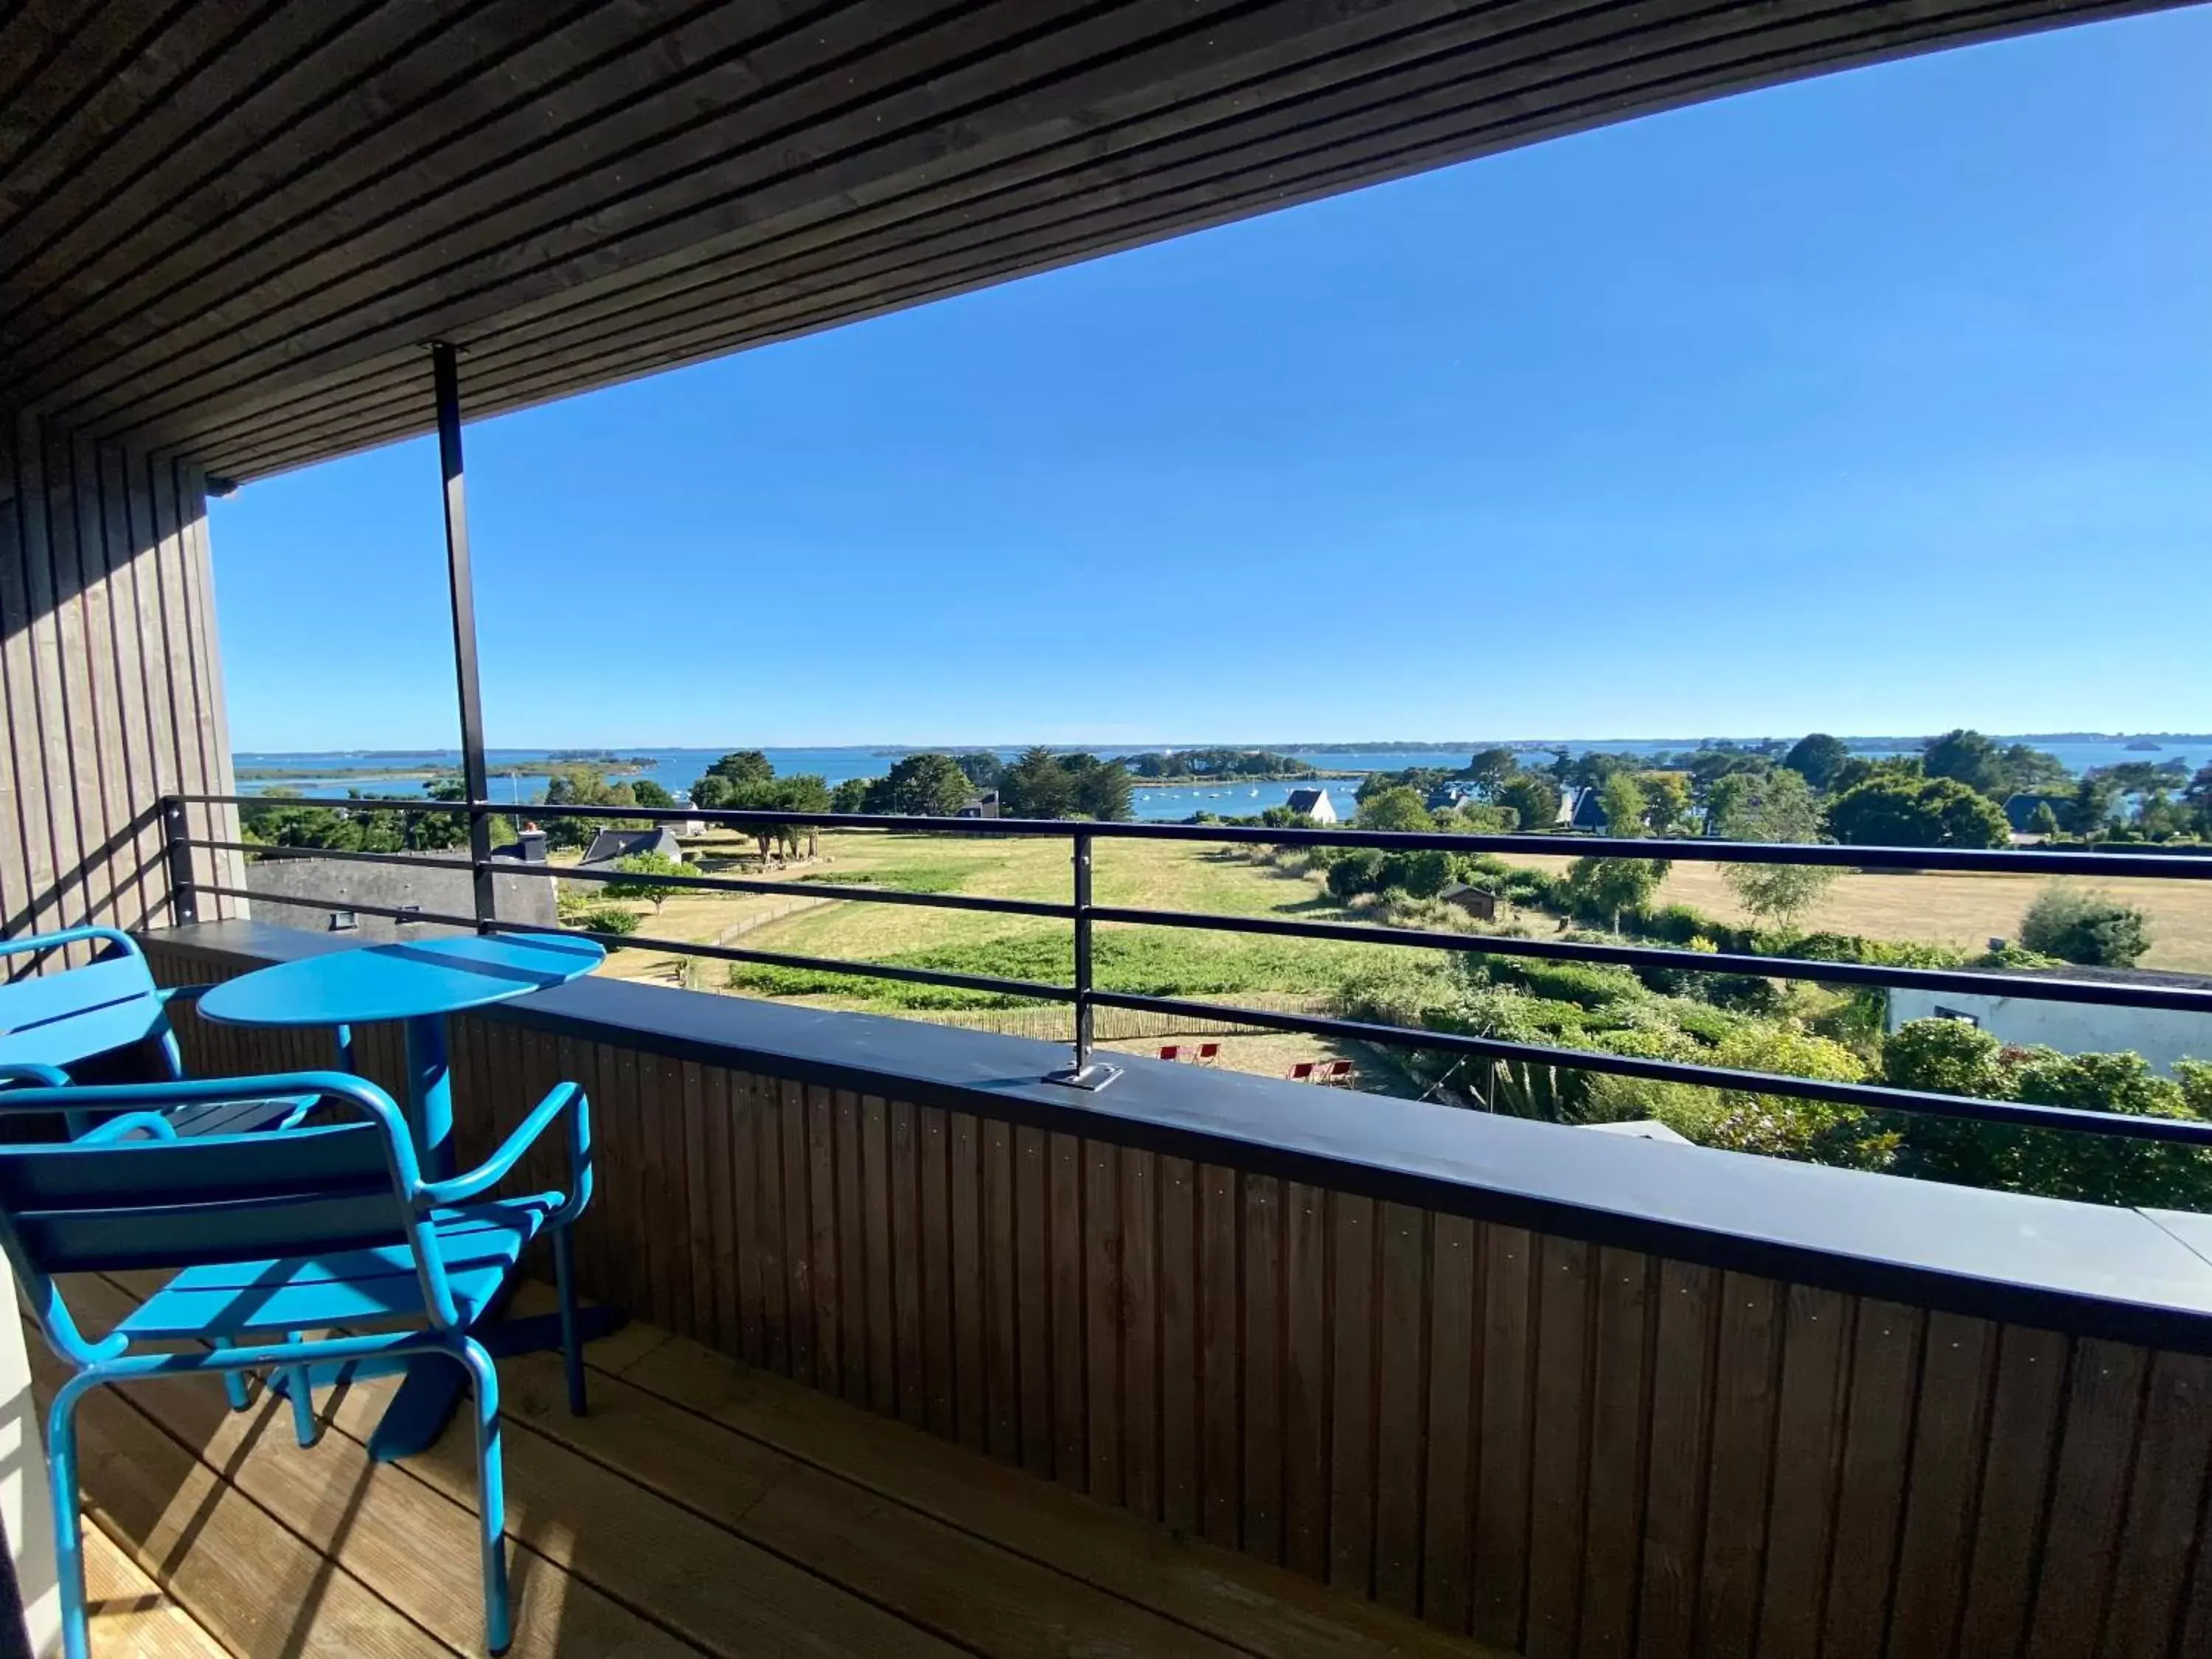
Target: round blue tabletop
<point>412,980</point>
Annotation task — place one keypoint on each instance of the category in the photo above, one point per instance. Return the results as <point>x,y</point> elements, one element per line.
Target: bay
<point>519,775</point>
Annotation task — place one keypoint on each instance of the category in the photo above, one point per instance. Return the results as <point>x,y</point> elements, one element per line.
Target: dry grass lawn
<point>1959,910</point>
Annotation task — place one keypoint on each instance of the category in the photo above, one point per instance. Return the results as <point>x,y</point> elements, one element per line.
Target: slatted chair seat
<point>89,1015</point>
<point>480,1245</point>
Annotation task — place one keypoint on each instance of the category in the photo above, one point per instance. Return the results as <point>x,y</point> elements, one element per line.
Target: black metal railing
<point>1083,913</point>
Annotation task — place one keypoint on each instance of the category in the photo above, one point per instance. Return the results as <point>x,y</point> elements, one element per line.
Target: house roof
<point>232,240</point>
<point>1304,800</point>
<point>611,844</point>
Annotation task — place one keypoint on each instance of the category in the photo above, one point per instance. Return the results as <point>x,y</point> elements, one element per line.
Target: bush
<point>1424,875</point>
<point>1944,1056</point>
<point>603,918</point>
<point>1355,872</point>
<point>2092,929</point>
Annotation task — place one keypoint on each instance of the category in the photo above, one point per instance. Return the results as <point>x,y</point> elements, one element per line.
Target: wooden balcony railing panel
<point>1555,1445</point>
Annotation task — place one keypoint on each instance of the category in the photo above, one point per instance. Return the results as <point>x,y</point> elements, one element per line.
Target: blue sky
<point>1876,404</point>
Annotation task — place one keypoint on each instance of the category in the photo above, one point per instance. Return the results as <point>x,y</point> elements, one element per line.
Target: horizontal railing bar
<point>355,906</point>
<point>1870,1095</point>
<point>1002,907</point>
<point>1980,861</point>
<point>414,860</point>
<point>2108,995</point>
<point>347,803</point>
<point>983,982</point>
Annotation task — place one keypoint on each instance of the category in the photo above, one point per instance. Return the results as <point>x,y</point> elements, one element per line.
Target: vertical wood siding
<point>110,691</point>
<point>1557,1448</point>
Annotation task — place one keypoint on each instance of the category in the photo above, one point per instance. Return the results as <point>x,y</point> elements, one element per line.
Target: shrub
<point>603,918</point>
<point>2091,928</point>
<point>1585,984</point>
<point>1944,1056</point>
<point>1424,875</point>
<point>1355,872</point>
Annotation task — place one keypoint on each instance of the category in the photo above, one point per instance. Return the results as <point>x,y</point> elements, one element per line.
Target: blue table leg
<point>426,1402</point>
<point>430,1097</point>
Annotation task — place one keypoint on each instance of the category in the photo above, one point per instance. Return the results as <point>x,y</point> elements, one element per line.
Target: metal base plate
<point>1094,1076</point>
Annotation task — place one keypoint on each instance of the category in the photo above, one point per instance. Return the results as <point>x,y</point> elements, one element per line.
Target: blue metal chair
<point>64,1020</point>
<point>327,1227</point>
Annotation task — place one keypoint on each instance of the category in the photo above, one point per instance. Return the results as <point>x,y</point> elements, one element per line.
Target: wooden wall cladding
<point>111,689</point>
<point>1558,1449</point>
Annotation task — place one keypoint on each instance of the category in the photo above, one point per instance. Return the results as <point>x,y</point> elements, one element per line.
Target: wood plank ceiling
<point>229,230</point>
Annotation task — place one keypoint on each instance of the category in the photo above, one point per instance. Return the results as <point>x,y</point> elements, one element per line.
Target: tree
<point>1968,757</point>
<point>1622,799</point>
<point>2198,797</point>
<point>714,794</point>
<point>1666,801</point>
<point>928,786</point>
<point>1815,756</point>
<point>2043,822</point>
<point>1395,809</point>
<point>981,769</point>
<point>2090,811</point>
<point>2092,928</point>
<point>2029,771</point>
<point>1533,797</point>
<point>1897,810</point>
<point>1489,770</point>
<point>1769,806</point>
<point>645,864</point>
<point>1593,767</point>
<point>650,793</point>
<point>1099,789</point>
<point>584,786</point>
<point>1036,786</point>
<point>805,793</point>
<point>1601,889</point>
<point>743,766</point>
<point>851,796</point>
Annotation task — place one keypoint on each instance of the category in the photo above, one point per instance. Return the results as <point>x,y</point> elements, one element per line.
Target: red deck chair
<point>1171,1051</point>
<point>1208,1053</point>
<point>1337,1075</point>
<point>1300,1072</point>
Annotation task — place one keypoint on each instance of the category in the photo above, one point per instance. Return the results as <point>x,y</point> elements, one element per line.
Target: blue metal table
<point>418,982</point>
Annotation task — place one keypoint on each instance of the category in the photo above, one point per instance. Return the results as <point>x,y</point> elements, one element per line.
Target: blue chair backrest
<point>71,1207</point>
<point>79,1013</point>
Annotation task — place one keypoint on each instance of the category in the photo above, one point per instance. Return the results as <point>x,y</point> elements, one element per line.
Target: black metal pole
<point>475,780</point>
<point>1086,1072</point>
<point>184,895</point>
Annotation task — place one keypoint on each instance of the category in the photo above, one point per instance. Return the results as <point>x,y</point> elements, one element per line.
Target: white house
<point>2160,1035</point>
<point>1314,803</point>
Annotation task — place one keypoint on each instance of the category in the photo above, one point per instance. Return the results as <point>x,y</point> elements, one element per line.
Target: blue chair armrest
<point>169,993</point>
<point>562,1096</point>
<point>155,1127</point>
<point>31,1072</point>
<point>114,936</point>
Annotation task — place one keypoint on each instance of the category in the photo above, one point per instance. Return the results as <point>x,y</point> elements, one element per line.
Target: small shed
<point>1314,803</point>
<point>1478,902</point>
<point>983,806</point>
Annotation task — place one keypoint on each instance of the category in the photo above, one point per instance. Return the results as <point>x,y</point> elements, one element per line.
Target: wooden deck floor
<point>700,1507</point>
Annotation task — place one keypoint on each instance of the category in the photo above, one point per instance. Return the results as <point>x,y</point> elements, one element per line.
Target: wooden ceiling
<point>230,230</point>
